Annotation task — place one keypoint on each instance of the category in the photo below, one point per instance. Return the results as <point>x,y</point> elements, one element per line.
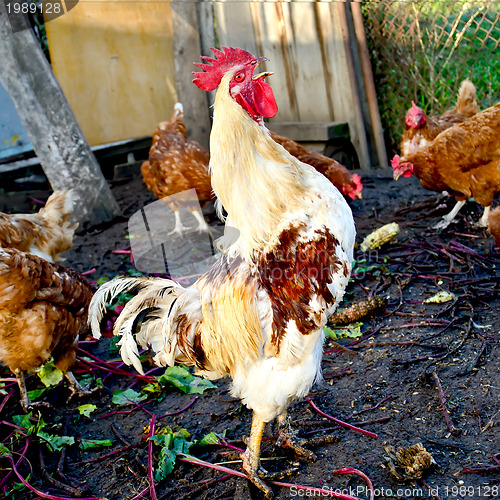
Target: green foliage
<point>86,410</point>
<point>92,444</point>
<point>172,443</point>
<point>422,50</point>
<point>350,331</point>
<point>213,438</point>
<point>128,397</point>
<point>49,374</point>
<point>180,377</point>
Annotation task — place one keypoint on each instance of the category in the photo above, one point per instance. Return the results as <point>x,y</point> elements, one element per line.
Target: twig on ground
<point>446,413</point>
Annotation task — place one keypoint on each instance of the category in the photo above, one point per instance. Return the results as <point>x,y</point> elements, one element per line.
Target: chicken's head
<point>353,189</point>
<point>401,168</point>
<point>415,118</point>
<point>253,94</point>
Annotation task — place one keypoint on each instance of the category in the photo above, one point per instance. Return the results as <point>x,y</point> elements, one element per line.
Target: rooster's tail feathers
<point>140,320</point>
<point>466,100</point>
<point>59,206</point>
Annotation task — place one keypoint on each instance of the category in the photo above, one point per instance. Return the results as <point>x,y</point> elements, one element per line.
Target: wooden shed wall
<point>114,61</point>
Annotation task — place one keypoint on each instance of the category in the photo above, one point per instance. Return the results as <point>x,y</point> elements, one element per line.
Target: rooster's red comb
<point>224,60</point>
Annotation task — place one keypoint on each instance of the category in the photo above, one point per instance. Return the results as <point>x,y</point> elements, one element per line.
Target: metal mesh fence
<point>421,50</point>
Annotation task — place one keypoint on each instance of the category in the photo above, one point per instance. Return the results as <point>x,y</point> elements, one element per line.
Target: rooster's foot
<point>287,438</point>
<point>254,471</point>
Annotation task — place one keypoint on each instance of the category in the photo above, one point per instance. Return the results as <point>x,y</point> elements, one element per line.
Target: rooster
<point>47,233</point>
<point>177,164</point>
<point>348,184</point>
<point>421,129</point>
<point>257,315</point>
<point>463,160</point>
<point>43,310</point>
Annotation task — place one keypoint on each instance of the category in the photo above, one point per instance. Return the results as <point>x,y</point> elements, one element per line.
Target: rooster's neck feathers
<point>244,159</point>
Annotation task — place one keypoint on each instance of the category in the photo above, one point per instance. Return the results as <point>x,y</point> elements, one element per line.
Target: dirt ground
<point>387,379</point>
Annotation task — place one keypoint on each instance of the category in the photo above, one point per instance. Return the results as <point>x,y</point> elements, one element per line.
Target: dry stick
<point>151,479</point>
<point>446,413</point>
<point>339,422</point>
<point>65,487</point>
<point>193,460</point>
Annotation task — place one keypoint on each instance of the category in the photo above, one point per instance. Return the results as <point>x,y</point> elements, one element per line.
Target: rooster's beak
<point>262,75</point>
<point>396,175</point>
<point>260,60</point>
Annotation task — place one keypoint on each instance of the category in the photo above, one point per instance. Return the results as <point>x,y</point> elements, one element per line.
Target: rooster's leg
<point>446,220</point>
<point>251,457</point>
<point>483,221</point>
<point>287,438</point>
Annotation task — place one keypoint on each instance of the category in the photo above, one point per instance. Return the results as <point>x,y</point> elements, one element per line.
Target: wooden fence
<point>317,51</point>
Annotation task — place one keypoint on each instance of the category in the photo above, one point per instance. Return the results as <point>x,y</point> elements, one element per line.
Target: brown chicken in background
<point>43,310</point>
<point>494,225</point>
<point>463,160</point>
<point>47,233</point>
<point>177,164</point>
<point>421,129</point>
<point>348,184</point>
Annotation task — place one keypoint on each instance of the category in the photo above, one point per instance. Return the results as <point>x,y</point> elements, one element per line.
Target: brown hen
<point>347,183</point>
<point>494,225</point>
<point>463,160</point>
<point>43,310</point>
<point>177,164</point>
<point>47,233</point>
<point>421,129</point>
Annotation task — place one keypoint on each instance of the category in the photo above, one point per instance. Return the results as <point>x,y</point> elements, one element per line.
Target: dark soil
<point>394,365</point>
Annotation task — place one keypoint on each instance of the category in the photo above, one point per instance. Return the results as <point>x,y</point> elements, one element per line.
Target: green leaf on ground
<point>49,374</point>
<point>180,377</point>
<point>128,397</point>
<point>172,444</point>
<point>350,331</point>
<point>86,410</point>
<point>91,444</point>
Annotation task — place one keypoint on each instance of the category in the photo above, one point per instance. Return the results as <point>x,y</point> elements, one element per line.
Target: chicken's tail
<point>59,207</point>
<point>466,100</point>
<point>144,320</point>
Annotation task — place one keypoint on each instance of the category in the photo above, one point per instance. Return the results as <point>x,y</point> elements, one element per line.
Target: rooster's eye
<point>239,77</point>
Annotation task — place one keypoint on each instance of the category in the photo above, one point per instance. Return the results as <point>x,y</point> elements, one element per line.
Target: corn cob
<point>382,235</point>
<point>358,311</point>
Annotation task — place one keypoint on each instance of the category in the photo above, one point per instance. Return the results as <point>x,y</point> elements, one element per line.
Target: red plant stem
<point>22,456</point>
<point>181,410</point>
<point>373,407</point>
<point>350,470</point>
<point>339,422</point>
<point>90,271</point>
<point>151,479</point>
<point>38,492</point>
<point>316,491</point>
<point>115,371</point>
<point>123,412</point>
<point>5,399</point>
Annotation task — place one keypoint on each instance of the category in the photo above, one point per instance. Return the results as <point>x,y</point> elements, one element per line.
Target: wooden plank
<point>187,50</point>
<point>57,139</point>
<point>309,76</point>
<point>115,63</point>
<point>272,41</point>
<point>310,131</point>
<point>369,84</point>
<point>346,102</point>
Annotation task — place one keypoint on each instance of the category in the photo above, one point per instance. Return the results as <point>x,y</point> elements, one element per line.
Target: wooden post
<point>65,156</point>
<point>371,93</point>
<point>187,50</point>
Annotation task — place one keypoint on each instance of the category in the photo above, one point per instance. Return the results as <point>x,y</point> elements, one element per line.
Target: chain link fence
<point>422,49</point>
